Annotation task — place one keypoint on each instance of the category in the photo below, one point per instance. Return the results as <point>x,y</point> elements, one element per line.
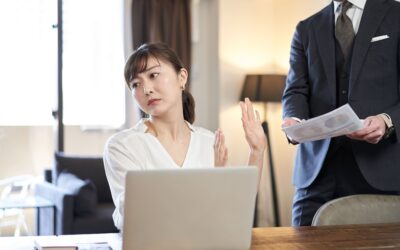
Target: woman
<point>167,138</point>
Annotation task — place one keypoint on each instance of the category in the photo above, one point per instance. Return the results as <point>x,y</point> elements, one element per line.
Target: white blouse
<point>134,149</point>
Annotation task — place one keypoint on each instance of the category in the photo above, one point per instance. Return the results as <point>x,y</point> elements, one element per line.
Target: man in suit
<point>337,58</point>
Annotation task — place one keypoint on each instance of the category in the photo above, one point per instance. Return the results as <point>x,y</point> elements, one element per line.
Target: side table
<point>30,202</point>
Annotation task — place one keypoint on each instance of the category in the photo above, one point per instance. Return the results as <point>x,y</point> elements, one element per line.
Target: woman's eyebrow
<point>146,70</point>
<point>152,67</point>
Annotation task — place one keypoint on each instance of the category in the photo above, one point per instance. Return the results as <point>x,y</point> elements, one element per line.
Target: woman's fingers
<point>244,111</point>
<point>253,130</point>
<point>258,119</point>
<point>220,150</point>
<point>249,109</point>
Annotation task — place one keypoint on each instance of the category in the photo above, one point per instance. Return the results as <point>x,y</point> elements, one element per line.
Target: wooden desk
<point>377,236</point>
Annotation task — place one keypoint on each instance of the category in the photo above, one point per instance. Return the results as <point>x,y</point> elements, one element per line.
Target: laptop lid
<point>209,208</point>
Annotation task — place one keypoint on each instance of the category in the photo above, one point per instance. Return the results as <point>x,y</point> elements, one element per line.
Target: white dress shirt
<point>354,13</point>
<point>134,149</point>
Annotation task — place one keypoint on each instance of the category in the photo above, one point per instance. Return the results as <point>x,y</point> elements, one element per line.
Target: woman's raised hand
<point>220,150</point>
<point>252,128</point>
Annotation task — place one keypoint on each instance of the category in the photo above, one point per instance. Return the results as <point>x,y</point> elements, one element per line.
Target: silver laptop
<point>187,209</point>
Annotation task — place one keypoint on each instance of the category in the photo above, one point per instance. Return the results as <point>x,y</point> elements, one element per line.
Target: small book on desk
<point>54,243</point>
<point>60,243</point>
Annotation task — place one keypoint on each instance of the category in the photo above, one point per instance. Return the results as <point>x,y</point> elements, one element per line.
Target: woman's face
<point>158,89</point>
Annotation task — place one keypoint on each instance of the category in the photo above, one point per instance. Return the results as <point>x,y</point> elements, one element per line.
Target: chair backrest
<point>16,187</point>
<point>359,209</point>
<point>85,167</point>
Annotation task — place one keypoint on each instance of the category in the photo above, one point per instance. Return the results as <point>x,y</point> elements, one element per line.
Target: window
<point>92,65</point>
<point>93,62</point>
<point>28,61</point>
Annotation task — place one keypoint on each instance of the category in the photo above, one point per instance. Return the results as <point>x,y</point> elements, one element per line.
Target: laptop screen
<point>209,208</point>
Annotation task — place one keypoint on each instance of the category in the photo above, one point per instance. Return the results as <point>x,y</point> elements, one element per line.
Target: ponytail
<point>188,106</point>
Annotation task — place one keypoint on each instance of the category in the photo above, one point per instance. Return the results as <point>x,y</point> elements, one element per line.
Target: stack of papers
<point>340,121</point>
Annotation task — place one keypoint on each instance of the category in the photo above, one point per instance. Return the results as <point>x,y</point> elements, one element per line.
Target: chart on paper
<point>340,121</point>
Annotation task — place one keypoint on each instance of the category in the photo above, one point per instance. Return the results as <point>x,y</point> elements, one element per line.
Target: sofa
<point>78,187</point>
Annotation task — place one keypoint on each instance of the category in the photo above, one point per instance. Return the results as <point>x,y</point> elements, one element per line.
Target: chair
<point>14,190</point>
<point>80,191</point>
<point>359,209</point>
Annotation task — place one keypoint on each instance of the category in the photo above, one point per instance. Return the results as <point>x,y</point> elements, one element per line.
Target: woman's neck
<point>172,129</point>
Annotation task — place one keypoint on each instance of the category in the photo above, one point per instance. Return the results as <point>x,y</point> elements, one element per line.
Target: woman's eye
<point>154,75</point>
<point>134,85</point>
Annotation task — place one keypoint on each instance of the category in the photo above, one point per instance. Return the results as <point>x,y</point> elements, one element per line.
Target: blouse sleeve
<point>117,161</point>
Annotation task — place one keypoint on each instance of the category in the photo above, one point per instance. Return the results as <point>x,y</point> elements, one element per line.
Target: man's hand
<point>373,131</point>
<point>287,122</point>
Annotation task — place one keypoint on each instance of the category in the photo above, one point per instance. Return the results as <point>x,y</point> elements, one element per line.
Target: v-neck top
<point>134,149</point>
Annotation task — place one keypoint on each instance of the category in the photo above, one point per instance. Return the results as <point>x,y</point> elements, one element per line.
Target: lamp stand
<point>272,173</point>
<point>272,177</point>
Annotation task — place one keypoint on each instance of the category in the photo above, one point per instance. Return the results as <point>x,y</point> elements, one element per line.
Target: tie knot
<point>345,6</point>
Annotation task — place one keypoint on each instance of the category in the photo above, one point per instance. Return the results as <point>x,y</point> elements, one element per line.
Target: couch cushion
<point>99,222</point>
<point>84,191</point>
<point>85,167</point>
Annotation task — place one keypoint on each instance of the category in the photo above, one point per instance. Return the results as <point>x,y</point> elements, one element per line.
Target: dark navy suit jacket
<point>374,88</point>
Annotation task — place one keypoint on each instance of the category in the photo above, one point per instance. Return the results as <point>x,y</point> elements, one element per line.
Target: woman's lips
<point>152,102</point>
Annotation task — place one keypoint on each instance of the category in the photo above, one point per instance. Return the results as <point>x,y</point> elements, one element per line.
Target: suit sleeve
<point>295,96</point>
<point>394,111</point>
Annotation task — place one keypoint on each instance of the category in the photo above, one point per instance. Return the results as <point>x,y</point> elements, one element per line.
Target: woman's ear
<point>183,76</point>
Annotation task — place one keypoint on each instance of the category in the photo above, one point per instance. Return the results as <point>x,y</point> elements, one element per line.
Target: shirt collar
<point>357,3</point>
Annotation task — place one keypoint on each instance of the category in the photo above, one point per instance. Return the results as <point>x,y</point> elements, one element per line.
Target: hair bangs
<point>136,65</point>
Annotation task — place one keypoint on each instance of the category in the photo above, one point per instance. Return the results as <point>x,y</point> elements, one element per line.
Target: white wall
<point>29,150</point>
<point>245,45</point>
<point>205,67</point>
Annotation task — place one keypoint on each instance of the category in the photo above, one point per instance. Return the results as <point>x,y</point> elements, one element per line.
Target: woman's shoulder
<point>202,132</point>
<point>128,135</point>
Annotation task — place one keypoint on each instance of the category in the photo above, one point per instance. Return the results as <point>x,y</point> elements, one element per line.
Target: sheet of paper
<point>338,122</point>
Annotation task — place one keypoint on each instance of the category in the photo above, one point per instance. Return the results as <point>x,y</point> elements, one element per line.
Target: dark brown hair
<point>137,63</point>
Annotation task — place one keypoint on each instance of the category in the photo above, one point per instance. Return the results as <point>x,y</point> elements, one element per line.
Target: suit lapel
<point>373,14</point>
<point>323,27</point>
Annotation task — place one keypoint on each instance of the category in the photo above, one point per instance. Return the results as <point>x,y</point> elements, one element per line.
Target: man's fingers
<point>288,122</point>
<point>374,137</point>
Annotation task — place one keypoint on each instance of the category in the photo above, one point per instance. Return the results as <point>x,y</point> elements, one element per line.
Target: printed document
<point>340,121</point>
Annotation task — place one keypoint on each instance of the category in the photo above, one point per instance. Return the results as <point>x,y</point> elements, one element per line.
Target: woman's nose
<point>147,88</point>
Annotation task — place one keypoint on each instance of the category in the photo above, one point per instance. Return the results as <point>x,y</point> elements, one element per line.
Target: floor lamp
<point>266,88</point>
